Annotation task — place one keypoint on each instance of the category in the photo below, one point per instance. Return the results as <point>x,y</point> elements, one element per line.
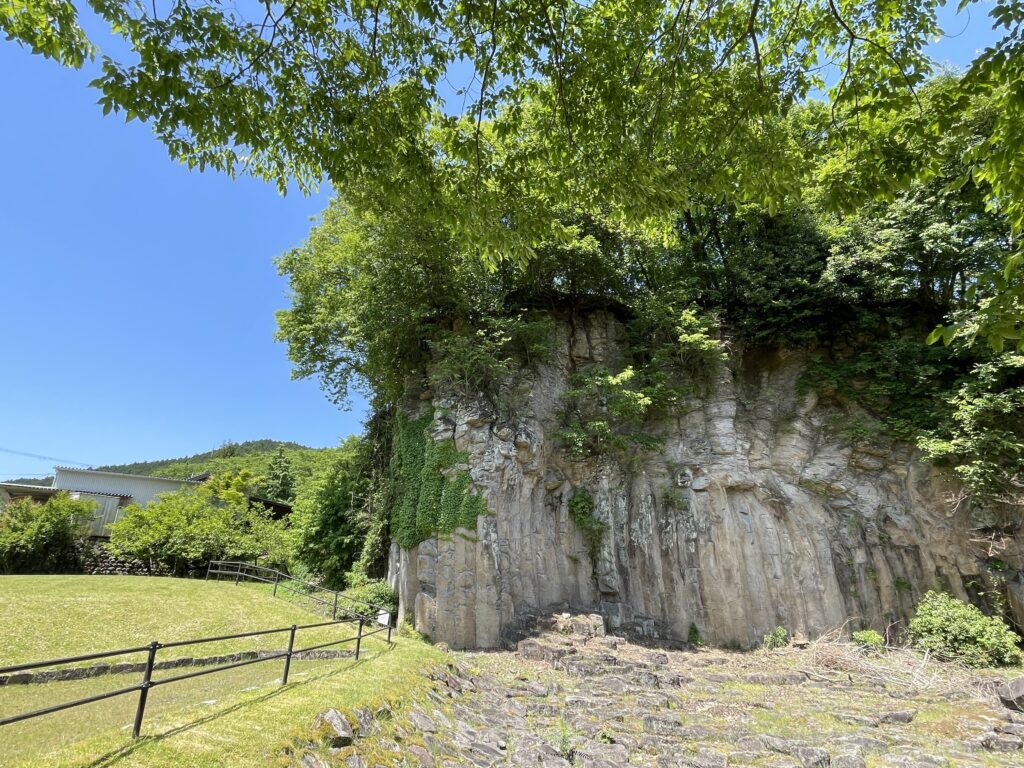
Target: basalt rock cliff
<point>755,513</point>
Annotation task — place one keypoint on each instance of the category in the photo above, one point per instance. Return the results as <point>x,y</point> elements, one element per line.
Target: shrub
<point>693,637</point>
<point>954,630</point>
<point>777,638</point>
<point>43,538</point>
<point>869,639</point>
<point>375,591</point>
<point>212,521</point>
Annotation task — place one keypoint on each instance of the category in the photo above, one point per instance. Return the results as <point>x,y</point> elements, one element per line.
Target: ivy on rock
<point>430,496</point>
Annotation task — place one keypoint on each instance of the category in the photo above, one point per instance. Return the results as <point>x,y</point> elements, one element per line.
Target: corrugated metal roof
<point>49,490</point>
<point>141,488</point>
<point>124,474</point>
<point>29,487</point>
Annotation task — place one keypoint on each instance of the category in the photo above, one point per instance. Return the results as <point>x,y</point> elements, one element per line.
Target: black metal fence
<point>328,601</point>
<point>148,681</point>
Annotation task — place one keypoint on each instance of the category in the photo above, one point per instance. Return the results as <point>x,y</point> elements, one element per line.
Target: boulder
<point>339,732</point>
<point>1011,693</point>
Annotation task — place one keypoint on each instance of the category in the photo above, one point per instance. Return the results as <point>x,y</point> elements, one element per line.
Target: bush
<point>693,637</point>
<point>956,631</point>
<point>44,538</point>
<point>869,639</point>
<point>213,521</point>
<point>777,638</point>
<point>375,591</point>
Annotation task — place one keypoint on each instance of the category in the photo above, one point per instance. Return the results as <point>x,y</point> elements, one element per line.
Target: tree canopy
<point>388,301</point>
<point>500,111</point>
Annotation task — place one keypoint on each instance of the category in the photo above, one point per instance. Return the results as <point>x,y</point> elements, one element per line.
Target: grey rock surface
<point>755,513</point>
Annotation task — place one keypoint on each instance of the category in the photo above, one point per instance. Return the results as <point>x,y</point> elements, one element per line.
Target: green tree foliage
<point>49,27</point>
<point>636,109</point>
<point>955,631</point>
<point>212,521</point>
<point>252,456</point>
<point>636,105</point>
<point>388,299</point>
<point>762,272</point>
<point>279,483</point>
<point>330,514</point>
<point>982,437</point>
<point>44,538</point>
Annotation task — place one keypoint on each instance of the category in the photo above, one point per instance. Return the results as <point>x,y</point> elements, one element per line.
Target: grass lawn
<point>43,617</point>
<point>219,725</point>
<point>240,717</point>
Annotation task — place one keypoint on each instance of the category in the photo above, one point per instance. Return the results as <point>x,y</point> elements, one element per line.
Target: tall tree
<point>280,484</point>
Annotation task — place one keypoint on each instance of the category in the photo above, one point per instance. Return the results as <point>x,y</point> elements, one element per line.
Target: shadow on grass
<point>112,757</point>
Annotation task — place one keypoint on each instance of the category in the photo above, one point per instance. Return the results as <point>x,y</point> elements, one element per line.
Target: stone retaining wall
<point>98,560</point>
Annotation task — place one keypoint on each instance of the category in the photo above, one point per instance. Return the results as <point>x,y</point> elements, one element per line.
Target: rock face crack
<point>753,513</point>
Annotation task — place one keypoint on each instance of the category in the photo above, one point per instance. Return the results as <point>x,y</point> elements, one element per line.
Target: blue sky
<point>137,298</point>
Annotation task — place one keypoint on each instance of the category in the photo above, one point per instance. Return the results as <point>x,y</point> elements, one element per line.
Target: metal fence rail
<point>148,682</point>
<point>329,600</point>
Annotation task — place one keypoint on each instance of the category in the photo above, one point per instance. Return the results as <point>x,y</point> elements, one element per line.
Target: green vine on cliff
<point>428,498</point>
<point>581,505</point>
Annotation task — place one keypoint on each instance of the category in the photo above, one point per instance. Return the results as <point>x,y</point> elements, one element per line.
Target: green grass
<point>43,617</point>
<point>238,717</point>
<point>214,723</point>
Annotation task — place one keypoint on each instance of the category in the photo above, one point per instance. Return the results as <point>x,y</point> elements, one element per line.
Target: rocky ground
<point>571,696</point>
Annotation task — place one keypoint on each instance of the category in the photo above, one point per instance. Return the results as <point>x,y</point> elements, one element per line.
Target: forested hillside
<point>252,455</point>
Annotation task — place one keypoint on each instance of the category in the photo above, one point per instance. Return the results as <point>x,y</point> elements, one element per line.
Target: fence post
<point>334,613</point>
<point>208,566</point>
<point>238,574</point>
<point>277,577</point>
<point>359,637</point>
<point>288,656</point>
<point>147,675</point>
<point>389,630</point>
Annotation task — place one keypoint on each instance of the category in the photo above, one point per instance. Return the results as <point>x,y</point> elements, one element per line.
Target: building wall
<point>107,511</point>
<point>141,490</point>
<point>112,491</point>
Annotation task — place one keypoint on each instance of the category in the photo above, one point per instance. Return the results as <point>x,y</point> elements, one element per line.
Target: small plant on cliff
<point>777,638</point>
<point>581,505</point>
<point>955,631</point>
<point>605,411</point>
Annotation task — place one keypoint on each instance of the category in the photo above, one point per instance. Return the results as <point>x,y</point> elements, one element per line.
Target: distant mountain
<point>32,480</point>
<point>253,455</point>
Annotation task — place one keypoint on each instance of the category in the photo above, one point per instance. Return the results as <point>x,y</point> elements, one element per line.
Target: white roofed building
<point>112,491</point>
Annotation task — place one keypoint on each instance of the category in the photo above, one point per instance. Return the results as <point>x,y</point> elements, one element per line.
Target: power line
<point>45,458</point>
